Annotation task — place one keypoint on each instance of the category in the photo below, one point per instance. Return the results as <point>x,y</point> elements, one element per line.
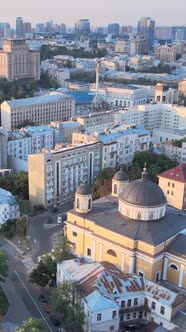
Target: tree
<point>32,325</point>
<point>17,184</point>
<point>3,266</point>
<point>65,303</point>
<point>45,273</point>
<point>62,250</point>
<point>40,275</point>
<point>21,225</point>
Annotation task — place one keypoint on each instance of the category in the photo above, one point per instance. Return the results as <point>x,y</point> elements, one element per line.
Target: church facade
<point>132,228</point>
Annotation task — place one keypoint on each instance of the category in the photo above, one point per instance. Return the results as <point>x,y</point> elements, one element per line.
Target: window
<point>122,304</point>
<point>153,305</point>
<point>129,303</point>
<point>88,252</point>
<point>74,234</point>
<point>172,193</point>
<point>136,301</point>
<point>112,328</point>
<point>98,317</point>
<point>115,189</point>
<point>139,215</point>
<point>134,315</point>
<point>121,318</point>
<point>162,310</point>
<point>111,252</point>
<point>128,316</point>
<point>169,184</point>
<point>161,324</point>
<point>141,274</point>
<point>114,314</point>
<point>168,192</point>
<point>89,203</point>
<point>140,314</point>
<point>173,185</point>
<point>174,267</point>
<point>77,203</point>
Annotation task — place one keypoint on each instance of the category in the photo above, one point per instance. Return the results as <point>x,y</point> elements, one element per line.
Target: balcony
<point>127,310</point>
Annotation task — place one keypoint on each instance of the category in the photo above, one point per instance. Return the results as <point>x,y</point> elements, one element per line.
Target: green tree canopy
<point>21,225</point>
<point>42,276</point>
<point>62,250</point>
<point>155,164</point>
<point>65,301</point>
<point>32,325</point>
<point>17,184</point>
<point>3,266</point>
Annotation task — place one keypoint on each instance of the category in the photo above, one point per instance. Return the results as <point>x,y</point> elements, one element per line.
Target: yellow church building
<point>132,228</point>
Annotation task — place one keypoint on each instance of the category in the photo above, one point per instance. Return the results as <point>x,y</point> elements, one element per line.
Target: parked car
<point>49,221</point>
<point>59,218</point>
<point>47,308</point>
<point>54,320</point>
<point>42,298</point>
<point>54,209</point>
<point>61,329</point>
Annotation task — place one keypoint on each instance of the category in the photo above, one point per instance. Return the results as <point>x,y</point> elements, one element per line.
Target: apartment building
<point>39,110</point>
<point>17,61</point>
<point>161,135</point>
<point>165,53</point>
<point>63,131</point>
<point>122,300</point>
<point>96,122</point>
<point>9,208</point>
<point>19,144</point>
<point>55,174</point>
<point>41,137</point>
<point>3,148</point>
<point>120,144</point>
<point>121,95</point>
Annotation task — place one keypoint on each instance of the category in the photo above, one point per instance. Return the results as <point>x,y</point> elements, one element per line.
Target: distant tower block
<point>159,93</point>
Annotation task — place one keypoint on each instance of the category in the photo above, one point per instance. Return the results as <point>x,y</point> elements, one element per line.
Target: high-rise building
<point>17,61</point>
<point>146,27</point>
<point>62,28</point>
<point>113,29</point>
<point>19,27</point>
<point>27,28</point>
<point>82,26</point>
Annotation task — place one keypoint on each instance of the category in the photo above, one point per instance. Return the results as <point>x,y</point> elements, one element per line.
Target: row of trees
<point>17,184</point>
<point>65,299</point>
<point>11,227</point>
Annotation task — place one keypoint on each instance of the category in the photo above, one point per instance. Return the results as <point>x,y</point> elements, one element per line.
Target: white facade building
<point>96,122</point>
<point>9,209</point>
<point>19,145</point>
<point>120,144</point>
<point>116,300</point>
<point>39,110</point>
<point>161,135</point>
<point>41,137</point>
<point>124,96</point>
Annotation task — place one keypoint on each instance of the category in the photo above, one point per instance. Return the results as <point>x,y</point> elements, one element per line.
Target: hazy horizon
<point>100,13</point>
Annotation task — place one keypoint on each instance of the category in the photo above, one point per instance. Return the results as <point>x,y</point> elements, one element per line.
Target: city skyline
<point>61,11</point>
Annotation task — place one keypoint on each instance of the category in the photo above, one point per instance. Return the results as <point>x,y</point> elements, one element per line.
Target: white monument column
<point>132,263</point>
<point>165,266</point>
<point>180,283</point>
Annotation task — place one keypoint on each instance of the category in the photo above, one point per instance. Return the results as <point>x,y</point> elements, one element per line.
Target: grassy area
<point>4,304</point>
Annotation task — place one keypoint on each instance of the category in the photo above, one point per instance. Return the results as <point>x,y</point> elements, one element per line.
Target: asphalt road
<point>22,295</point>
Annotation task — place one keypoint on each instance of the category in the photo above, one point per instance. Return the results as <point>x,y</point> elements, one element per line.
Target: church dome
<point>121,176</point>
<point>143,192</point>
<point>83,189</point>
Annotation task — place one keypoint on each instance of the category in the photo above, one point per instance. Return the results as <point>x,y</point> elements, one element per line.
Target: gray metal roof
<point>105,214</point>
<point>37,100</point>
<point>143,192</point>
<point>83,189</point>
<point>178,245</point>
<point>121,176</point>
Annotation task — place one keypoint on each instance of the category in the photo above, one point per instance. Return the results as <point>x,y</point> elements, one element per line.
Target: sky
<point>100,12</point>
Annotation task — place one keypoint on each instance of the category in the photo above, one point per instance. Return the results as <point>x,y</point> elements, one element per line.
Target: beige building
<point>166,53</point>
<point>55,174</point>
<point>173,184</point>
<point>96,122</point>
<point>133,230</point>
<point>39,110</point>
<point>17,61</point>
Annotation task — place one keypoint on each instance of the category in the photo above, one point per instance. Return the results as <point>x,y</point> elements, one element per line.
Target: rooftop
<point>115,134</point>
<point>105,214</point>
<point>82,96</point>
<point>37,100</point>
<point>177,173</point>
<point>38,130</point>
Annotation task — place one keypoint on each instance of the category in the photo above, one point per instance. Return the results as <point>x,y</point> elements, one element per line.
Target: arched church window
<point>77,203</point>
<point>111,252</point>
<point>89,203</point>
<point>115,189</point>
<point>139,215</point>
<point>174,267</point>
<point>151,216</point>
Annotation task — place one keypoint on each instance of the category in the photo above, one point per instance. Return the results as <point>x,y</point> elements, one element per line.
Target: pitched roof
<point>177,173</point>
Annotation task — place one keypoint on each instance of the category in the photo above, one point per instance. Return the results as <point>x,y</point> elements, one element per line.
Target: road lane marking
<point>33,300</point>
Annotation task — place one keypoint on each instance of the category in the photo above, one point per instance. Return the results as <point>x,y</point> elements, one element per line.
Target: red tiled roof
<point>177,173</point>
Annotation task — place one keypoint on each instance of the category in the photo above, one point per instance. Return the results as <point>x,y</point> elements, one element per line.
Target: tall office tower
<point>27,28</point>
<point>164,33</point>
<point>113,29</point>
<point>17,61</point>
<point>40,28</point>
<point>19,27</point>
<point>146,27</point>
<point>62,28</point>
<point>82,26</point>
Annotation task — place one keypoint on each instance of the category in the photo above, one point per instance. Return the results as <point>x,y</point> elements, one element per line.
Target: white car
<point>61,329</point>
<point>59,218</point>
